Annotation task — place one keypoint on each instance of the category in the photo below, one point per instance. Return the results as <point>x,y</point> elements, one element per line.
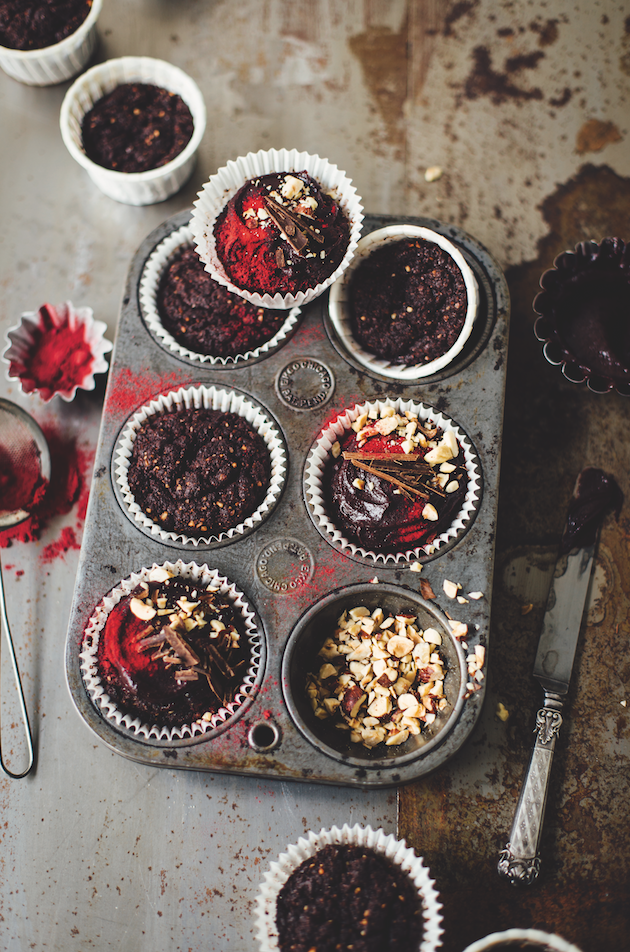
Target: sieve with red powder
<point>57,350</point>
<point>24,476</point>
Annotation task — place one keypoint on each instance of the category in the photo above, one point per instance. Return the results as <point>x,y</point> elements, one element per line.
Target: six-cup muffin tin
<point>294,579</point>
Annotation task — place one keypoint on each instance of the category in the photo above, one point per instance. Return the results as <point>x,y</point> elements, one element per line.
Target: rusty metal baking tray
<point>285,567</point>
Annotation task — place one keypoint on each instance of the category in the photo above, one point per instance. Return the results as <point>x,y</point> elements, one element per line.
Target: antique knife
<point>595,494</point>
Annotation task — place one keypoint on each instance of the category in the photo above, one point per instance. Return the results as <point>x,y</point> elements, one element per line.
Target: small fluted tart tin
<point>152,275</point>
<point>386,845</point>
<point>218,716</point>
<point>316,490</point>
<point>584,315</point>
<point>209,398</point>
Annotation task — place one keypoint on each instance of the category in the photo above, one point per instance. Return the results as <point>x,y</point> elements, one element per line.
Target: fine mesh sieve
<point>24,474</point>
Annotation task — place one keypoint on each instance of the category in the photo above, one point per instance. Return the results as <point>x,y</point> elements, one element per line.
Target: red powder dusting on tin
<point>61,358</point>
<point>127,390</point>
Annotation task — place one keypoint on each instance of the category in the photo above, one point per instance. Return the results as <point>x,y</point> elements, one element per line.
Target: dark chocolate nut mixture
<point>136,127</point>
<point>348,897</point>
<point>36,24</point>
<point>408,302</point>
<point>205,317</point>
<point>198,472</point>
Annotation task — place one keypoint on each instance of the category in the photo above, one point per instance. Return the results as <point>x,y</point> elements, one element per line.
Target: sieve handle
<point>4,623</point>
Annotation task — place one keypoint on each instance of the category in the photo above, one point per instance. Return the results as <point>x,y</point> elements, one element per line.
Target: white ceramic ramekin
<point>339,310</point>
<point>226,182</point>
<point>133,188</point>
<point>395,850</point>
<point>522,939</point>
<point>56,63</point>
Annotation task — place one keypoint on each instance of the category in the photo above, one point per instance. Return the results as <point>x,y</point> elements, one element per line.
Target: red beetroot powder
<point>61,358</point>
<point>68,485</point>
<point>21,483</point>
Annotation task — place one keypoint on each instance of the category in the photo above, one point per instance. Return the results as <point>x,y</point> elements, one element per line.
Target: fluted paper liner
<point>226,182</point>
<point>315,491</point>
<point>152,273</point>
<point>395,850</point>
<point>23,342</point>
<point>209,398</point>
<point>515,938</point>
<point>205,576</point>
<point>132,188</point>
<point>339,303</point>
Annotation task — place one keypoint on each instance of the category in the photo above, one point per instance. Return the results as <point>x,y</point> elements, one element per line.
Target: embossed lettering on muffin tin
<point>314,489</point>
<point>284,565</point>
<point>152,273</point>
<point>305,384</point>
<point>156,733</point>
<point>210,398</point>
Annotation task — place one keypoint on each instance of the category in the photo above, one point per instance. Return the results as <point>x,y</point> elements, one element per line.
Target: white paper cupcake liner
<point>339,306</point>
<point>132,188</point>
<point>149,286</point>
<point>56,63</point>
<point>23,342</point>
<point>227,181</point>
<point>133,724</point>
<point>209,398</point>
<point>395,850</point>
<point>315,491</point>
<point>515,937</point>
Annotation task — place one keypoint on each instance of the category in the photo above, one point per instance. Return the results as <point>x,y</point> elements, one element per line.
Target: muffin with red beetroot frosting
<point>394,479</point>
<point>282,234</point>
<point>277,227</point>
<point>171,651</point>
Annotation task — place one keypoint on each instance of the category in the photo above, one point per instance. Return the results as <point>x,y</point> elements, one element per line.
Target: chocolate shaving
<point>389,478</point>
<point>280,258</point>
<point>220,662</point>
<point>157,639</point>
<point>179,646</point>
<point>188,674</point>
<point>293,224</point>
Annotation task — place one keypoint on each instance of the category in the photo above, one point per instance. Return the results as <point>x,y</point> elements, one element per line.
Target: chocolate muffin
<point>407,302</point>
<point>395,482</point>
<point>282,234</point>
<point>205,317</point>
<point>136,127</point>
<point>36,24</point>
<point>198,472</point>
<point>348,897</point>
<point>173,651</point>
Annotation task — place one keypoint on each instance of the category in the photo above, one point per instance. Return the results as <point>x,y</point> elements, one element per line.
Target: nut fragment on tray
<point>381,678</point>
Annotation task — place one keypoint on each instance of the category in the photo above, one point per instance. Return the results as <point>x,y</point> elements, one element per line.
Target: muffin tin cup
<point>133,725</point>
<point>56,63</point>
<point>396,851</point>
<point>339,304</point>
<point>24,338</point>
<point>209,398</point>
<point>315,494</point>
<point>133,188</point>
<point>301,657</point>
<point>152,273</point>
<point>226,182</point>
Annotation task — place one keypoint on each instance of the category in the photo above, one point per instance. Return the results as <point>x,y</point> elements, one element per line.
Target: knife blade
<point>595,494</point>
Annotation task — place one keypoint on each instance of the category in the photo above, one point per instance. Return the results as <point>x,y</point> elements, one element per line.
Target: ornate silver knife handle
<point>519,862</point>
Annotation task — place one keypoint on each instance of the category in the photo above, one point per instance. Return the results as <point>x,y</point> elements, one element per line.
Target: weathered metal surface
<point>113,547</point>
<point>524,108</point>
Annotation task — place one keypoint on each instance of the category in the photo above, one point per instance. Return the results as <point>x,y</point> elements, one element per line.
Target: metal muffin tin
<point>285,567</point>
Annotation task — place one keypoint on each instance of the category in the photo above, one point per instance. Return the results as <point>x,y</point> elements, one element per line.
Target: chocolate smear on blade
<point>596,494</point>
